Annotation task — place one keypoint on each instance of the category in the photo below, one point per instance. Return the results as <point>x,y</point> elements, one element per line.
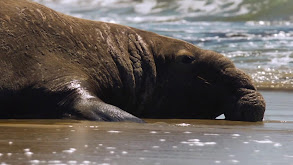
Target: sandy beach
<point>156,142</point>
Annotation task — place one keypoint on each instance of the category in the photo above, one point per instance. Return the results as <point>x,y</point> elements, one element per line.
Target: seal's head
<point>196,83</point>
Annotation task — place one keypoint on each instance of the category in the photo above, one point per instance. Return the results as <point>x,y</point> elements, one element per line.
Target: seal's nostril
<point>249,107</point>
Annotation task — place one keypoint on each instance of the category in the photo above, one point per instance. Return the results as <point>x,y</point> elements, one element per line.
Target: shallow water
<point>279,106</point>
<point>157,142</point>
<point>161,142</point>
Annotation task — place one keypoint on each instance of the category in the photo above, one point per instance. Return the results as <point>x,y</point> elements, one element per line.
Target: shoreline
<point>275,89</point>
<point>279,105</point>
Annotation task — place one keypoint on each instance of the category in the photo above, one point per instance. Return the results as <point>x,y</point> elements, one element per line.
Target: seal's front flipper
<point>86,105</point>
<point>95,109</point>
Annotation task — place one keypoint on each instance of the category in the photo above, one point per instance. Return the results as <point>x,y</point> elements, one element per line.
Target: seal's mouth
<point>235,95</point>
<point>249,107</point>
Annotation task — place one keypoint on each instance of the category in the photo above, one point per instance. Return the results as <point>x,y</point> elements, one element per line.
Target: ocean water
<point>256,35</point>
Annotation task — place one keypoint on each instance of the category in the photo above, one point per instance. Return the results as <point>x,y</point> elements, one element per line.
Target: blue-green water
<point>256,35</point>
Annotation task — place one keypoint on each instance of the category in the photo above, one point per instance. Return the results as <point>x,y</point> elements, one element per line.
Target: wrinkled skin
<point>55,66</point>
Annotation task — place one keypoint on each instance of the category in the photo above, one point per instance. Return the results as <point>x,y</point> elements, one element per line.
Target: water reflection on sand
<point>158,142</point>
<point>169,142</point>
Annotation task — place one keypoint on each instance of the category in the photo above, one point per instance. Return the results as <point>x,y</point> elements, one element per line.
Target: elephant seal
<point>53,66</point>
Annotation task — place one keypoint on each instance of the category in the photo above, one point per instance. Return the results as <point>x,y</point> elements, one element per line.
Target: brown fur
<point>54,65</point>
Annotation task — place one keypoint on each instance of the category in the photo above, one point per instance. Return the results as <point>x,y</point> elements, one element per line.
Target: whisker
<point>204,80</point>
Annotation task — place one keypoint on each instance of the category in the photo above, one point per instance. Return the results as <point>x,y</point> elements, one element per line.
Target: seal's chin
<point>249,107</point>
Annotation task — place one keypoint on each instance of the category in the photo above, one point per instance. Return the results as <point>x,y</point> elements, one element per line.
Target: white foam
<point>71,150</point>
<point>86,162</point>
<point>113,131</point>
<point>234,161</point>
<point>28,153</point>
<point>193,140</point>
<point>124,152</point>
<point>183,124</point>
<point>288,156</point>
<point>277,145</point>
<point>203,8</point>
<point>211,134</point>
<point>145,7</point>
<point>266,141</point>
<point>187,132</point>
<point>26,149</point>
<point>235,135</point>
<point>35,161</point>
<point>281,61</point>
<point>104,164</point>
<point>72,162</point>
<point>196,142</point>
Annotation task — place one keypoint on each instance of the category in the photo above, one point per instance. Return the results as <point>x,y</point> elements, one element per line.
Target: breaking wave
<point>137,11</point>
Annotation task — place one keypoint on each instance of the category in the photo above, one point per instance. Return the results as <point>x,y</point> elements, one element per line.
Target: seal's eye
<point>186,59</point>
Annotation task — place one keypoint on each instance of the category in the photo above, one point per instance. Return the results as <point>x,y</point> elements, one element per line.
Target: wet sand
<point>157,142</point>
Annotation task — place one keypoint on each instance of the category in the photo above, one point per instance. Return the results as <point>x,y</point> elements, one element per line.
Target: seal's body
<point>53,65</point>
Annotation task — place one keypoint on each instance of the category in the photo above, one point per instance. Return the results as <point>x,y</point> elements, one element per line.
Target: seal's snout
<point>250,107</point>
<point>248,104</point>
